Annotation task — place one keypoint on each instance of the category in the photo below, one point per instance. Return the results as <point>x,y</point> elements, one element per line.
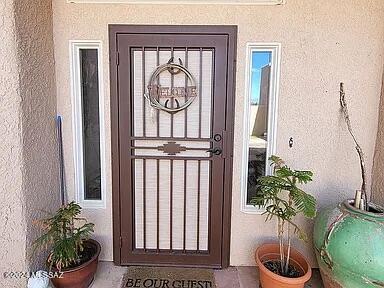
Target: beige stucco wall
<point>378,165</point>
<point>323,43</point>
<point>13,226</point>
<point>28,161</point>
<point>38,93</point>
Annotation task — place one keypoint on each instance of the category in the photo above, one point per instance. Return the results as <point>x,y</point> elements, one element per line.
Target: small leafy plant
<point>64,240</point>
<point>280,195</point>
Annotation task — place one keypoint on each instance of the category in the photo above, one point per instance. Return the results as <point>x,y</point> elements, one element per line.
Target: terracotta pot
<point>81,276</point>
<point>268,279</point>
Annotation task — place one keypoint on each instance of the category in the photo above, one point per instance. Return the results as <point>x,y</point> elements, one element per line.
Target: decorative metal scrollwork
<point>156,91</point>
<point>172,148</point>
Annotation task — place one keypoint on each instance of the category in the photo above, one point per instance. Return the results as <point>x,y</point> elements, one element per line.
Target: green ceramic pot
<point>349,246</point>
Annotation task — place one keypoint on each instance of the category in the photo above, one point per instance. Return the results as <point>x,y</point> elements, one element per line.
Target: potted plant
<point>349,238</point>
<point>279,264</point>
<point>72,255</point>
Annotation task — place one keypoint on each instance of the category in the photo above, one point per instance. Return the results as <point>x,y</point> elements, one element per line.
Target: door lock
<point>216,151</point>
<point>217,137</point>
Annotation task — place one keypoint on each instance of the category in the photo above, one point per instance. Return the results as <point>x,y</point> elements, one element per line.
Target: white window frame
<point>275,49</point>
<point>77,122</point>
<point>199,2</point>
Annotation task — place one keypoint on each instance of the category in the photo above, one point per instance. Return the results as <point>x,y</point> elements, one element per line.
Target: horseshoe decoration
<point>155,89</point>
<point>172,70</point>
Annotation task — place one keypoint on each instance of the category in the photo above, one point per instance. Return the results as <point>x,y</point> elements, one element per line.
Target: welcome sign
<point>173,103</point>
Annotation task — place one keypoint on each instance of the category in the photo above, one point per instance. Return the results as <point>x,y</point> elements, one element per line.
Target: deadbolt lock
<point>217,137</point>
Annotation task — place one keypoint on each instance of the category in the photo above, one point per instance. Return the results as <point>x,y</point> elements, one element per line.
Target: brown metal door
<point>172,103</point>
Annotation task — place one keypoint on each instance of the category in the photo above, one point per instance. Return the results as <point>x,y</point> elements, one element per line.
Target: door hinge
<point>117,58</point>
<point>121,242</point>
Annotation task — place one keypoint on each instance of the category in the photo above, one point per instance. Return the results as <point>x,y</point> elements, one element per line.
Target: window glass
<point>258,119</point>
<point>90,123</point>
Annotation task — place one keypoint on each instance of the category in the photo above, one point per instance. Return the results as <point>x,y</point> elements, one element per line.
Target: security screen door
<point>172,105</point>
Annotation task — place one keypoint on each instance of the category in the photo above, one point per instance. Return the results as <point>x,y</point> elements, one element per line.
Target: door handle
<point>216,151</point>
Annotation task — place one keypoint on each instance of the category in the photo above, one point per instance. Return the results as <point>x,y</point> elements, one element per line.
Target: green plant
<point>281,197</point>
<point>62,238</point>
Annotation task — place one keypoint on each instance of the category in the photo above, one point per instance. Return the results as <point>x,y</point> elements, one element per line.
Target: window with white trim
<point>262,78</point>
<point>87,103</point>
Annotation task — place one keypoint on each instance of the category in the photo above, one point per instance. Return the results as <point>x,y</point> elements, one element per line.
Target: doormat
<point>168,277</point>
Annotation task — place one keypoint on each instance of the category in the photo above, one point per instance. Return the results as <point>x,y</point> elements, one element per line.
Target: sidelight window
<point>260,117</point>
<point>87,123</point>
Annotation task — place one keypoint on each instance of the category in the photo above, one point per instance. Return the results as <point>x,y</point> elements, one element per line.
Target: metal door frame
<point>231,33</point>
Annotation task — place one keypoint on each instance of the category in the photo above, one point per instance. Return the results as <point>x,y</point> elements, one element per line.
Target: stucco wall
<point>38,92</point>
<point>378,165</point>
<point>323,43</point>
<point>28,161</point>
<point>12,206</point>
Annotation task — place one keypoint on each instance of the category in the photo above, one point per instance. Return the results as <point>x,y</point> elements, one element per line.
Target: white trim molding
<point>77,122</point>
<point>275,50</point>
<point>194,2</point>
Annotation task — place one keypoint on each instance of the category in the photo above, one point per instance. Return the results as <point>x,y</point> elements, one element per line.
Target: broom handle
<point>61,159</point>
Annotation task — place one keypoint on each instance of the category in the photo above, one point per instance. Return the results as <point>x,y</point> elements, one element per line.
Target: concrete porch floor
<point>109,275</point>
